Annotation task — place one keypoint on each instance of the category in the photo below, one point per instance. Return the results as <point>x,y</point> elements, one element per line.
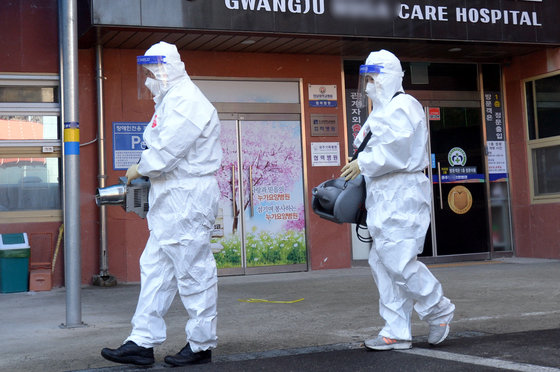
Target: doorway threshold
<point>484,256</point>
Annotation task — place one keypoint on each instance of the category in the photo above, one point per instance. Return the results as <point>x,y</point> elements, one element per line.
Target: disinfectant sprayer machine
<point>133,197</point>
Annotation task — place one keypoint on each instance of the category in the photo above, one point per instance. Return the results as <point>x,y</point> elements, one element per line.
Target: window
<point>543,125</point>
<point>30,147</point>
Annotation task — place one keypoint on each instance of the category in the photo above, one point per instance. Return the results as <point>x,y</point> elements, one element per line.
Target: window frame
<point>534,144</point>
<point>44,148</point>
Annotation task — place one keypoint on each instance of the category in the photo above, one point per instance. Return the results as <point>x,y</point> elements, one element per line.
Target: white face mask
<point>154,86</point>
<point>370,90</point>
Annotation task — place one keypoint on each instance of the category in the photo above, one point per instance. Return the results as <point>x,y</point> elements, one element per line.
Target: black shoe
<point>130,353</point>
<point>186,356</point>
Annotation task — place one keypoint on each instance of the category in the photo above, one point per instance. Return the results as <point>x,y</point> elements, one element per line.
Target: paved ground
<point>500,305</point>
<point>532,351</point>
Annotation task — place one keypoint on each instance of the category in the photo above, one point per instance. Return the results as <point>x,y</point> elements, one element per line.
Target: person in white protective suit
<point>398,206</point>
<point>182,155</point>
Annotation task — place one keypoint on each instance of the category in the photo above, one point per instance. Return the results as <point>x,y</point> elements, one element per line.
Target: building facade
<point>282,74</point>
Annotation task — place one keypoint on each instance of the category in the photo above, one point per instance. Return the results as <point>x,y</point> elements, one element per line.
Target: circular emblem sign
<point>460,199</point>
<point>457,157</point>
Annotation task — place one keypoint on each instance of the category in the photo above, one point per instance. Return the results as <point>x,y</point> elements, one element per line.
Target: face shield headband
<point>150,75</point>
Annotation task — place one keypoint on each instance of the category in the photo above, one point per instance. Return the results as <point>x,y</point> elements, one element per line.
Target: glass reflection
<point>29,184</point>
<point>28,127</point>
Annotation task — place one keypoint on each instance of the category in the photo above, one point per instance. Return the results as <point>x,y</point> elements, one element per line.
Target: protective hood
<point>171,72</point>
<point>386,83</point>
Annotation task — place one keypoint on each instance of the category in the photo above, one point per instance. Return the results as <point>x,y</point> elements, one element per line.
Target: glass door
<point>226,239</point>
<point>262,222</point>
<point>460,215</point>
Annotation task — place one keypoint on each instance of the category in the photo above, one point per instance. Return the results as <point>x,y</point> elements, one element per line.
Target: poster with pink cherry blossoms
<point>274,224</point>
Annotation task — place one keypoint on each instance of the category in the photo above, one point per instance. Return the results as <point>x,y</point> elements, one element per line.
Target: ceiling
<point>128,38</point>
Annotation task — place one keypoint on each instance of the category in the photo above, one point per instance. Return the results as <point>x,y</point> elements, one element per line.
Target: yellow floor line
<point>258,300</point>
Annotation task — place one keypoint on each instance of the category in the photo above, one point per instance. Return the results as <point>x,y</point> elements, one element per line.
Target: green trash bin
<point>14,263</point>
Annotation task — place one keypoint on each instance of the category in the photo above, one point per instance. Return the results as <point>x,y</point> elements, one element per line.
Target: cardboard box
<point>40,280</point>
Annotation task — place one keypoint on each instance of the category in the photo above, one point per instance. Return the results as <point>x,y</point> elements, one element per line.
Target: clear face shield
<point>151,76</point>
<point>368,73</point>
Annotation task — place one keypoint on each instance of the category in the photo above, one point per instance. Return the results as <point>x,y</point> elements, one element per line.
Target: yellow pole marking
<point>71,135</point>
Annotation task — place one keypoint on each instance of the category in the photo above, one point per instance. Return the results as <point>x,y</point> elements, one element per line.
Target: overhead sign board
<point>490,20</point>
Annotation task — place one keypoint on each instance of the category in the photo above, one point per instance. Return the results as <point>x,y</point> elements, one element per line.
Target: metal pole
<point>61,129</point>
<point>103,264</point>
<point>104,279</point>
<point>72,249</point>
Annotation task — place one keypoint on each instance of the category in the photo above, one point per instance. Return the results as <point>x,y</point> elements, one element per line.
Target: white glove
<point>132,173</point>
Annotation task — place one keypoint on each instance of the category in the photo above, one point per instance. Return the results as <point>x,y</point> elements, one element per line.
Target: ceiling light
<point>248,42</point>
<point>454,50</point>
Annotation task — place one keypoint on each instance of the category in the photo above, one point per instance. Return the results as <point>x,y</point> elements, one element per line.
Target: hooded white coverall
<point>398,203</point>
<point>183,153</point>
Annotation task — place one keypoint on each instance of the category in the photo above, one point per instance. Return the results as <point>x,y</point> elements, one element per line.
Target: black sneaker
<point>130,353</point>
<point>186,357</point>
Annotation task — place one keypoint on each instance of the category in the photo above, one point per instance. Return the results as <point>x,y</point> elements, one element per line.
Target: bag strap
<point>362,146</point>
<point>363,239</point>
<point>368,136</point>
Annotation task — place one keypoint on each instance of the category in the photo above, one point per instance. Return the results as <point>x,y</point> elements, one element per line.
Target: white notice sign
<point>323,96</point>
<point>325,154</point>
<point>497,159</point>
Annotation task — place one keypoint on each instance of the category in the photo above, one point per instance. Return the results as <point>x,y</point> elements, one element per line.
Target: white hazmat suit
<point>183,153</point>
<point>398,203</point>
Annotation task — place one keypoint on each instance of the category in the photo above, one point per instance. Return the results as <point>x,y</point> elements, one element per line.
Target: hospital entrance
<point>467,161</point>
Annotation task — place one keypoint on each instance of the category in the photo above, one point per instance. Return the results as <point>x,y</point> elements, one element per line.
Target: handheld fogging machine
<point>132,198</point>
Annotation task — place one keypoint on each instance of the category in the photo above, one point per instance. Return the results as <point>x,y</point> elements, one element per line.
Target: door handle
<point>439,184</point>
<point>251,190</point>
<point>234,197</point>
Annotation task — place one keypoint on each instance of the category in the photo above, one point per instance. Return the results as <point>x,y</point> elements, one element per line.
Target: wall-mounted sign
<point>325,154</point>
<point>128,143</point>
<point>497,158</point>
<point>355,118</point>
<point>496,145</point>
<point>434,113</point>
<point>324,125</point>
<point>322,96</point>
<point>460,199</point>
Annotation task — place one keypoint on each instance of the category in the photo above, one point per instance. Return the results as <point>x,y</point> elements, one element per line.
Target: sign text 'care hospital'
<point>402,10</point>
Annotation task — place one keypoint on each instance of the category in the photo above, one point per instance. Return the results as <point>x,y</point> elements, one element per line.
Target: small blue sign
<point>128,143</point>
<point>323,103</point>
<point>459,178</point>
<point>433,161</point>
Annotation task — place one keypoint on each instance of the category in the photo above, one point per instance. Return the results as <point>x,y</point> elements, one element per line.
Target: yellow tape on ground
<point>257,300</point>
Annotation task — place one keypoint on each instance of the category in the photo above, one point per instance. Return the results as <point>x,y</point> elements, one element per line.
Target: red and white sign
<point>434,113</point>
